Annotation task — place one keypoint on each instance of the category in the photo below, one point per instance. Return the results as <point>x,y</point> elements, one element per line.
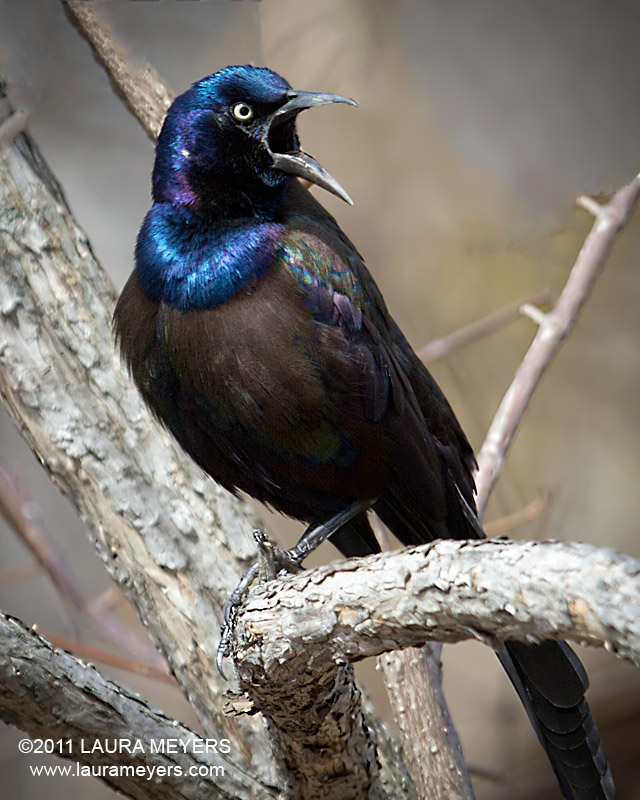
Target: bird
<point>257,336</point>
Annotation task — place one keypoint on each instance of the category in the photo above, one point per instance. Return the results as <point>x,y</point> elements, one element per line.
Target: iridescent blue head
<point>235,133</point>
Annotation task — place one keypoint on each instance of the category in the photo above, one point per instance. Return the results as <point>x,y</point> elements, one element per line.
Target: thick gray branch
<point>431,746</point>
<point>168,535</point>
<point>49,694</point>
<point>293,632</point>
<point>296,637</point>
<point>171,538</point>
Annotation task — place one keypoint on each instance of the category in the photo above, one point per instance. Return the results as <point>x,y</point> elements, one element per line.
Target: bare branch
<point>441,347</point>
<point>445,591</point>
<point>49,694</point>
<point>17,511</point>
<point>19,574</point>
<point>502,525</point>
<point>16,508</point>
<point>82,650</point>
<point>144,92</point>
<point>296,636</point>
<point>533,312</point>
<point>553,329</point>
<point>413,680</point>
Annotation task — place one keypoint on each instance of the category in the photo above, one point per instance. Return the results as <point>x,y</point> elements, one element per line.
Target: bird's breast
<point>247,389</point>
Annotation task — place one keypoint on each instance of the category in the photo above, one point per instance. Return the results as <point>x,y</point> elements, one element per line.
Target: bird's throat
<point>191,263</point>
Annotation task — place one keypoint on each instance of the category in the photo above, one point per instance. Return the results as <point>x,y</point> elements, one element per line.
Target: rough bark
<point>51,695</point>
<point>292,632</point>
<point>172,539</point>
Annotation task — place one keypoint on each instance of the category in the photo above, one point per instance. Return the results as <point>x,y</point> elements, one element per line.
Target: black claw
<point>266,556</point>
<point>223,648</point>
<point>270,560</point>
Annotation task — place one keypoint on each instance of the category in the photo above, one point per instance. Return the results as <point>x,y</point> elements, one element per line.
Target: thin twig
<point>439,348</point>
<point>107,600</point>
<point>19,574</point>
<point>18,511</point>
<point>502,525</point>
<point>143,91</point>
<point>82,650</point>
<point>555,326</point>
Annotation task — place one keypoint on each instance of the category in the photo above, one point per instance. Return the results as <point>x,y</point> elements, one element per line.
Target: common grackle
<point>255,333</point>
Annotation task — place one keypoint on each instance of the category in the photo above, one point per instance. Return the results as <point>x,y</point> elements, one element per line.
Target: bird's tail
<point>551,683</point>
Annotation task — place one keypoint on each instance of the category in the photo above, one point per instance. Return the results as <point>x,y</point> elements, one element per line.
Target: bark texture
<point>49,694</point>
<point>169,536</point>
<point>448,591</point>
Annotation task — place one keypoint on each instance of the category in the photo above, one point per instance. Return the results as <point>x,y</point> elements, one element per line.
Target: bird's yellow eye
<point>242,111</point>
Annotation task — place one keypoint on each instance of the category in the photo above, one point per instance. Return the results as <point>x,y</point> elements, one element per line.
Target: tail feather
<point>356,538</point>
<point>551,683</point>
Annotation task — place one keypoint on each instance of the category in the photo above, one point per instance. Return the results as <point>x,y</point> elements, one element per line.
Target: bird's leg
<point>314,536</point>
<point>272,559</point>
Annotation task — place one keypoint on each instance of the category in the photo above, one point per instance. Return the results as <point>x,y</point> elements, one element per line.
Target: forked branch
<point>553,329</point>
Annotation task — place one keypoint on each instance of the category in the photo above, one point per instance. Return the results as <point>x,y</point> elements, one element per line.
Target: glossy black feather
<point>258,337</point>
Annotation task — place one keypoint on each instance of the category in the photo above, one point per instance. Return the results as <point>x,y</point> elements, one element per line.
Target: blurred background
<point>479,124</point>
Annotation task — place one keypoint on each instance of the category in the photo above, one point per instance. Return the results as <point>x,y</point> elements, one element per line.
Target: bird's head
<point>235,132</point>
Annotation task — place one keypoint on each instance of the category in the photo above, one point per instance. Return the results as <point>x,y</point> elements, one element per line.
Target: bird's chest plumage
<point>237,352</point>
<point>248,362</point>
<point>244,388</point>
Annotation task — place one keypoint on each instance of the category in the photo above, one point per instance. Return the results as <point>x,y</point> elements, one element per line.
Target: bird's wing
<point>365,353</point>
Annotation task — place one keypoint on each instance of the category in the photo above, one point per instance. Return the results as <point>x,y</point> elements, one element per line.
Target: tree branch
<point>143,91</point>
<point>125,663</point>
<point>553,329</point>
<point>296,638</point>
<point>13,507</point>
<point>413,680</point>
<point>51,695</point>
<point>441,347</point>
<point>292,632</point>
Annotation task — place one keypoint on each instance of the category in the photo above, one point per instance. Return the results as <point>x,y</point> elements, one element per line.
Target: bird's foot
<point>270,563</point>
<point>272,560</point>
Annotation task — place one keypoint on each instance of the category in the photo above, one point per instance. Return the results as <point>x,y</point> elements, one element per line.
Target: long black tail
<point>551,683</point>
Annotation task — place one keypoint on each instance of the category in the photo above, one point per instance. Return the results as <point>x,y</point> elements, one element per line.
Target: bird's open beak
<point>295,162</point>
